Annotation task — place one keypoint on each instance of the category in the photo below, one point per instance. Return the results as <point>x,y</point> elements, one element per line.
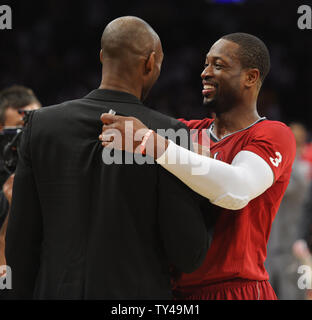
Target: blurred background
<point>54,47</point>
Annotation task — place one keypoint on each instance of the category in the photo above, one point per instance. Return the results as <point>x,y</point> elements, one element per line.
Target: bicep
<point>246,178</point>
<point>255,172</point>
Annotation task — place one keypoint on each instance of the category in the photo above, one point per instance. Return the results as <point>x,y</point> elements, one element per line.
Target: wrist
<point>160,145</point>
<point>154,144</point>
<point>144,143</point>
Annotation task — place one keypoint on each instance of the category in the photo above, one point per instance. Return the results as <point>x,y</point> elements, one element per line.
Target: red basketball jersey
<point>239,244</point>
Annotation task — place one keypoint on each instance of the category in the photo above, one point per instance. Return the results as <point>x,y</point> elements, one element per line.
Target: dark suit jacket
<point>80,229</point>
<point>4,207</point>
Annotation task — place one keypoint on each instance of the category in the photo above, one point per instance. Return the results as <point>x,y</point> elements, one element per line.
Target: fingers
<point>108,118</point>
<point>111,121</point>
<point>118,129</point>
<point>108,132</point>
<point>111,124</point>
<point>111,140</point>
<point>108,144</point>
<point>107,127</point>
<point>106,138</point>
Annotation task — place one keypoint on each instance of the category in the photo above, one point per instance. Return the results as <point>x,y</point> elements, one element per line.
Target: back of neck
<point>112,80</point>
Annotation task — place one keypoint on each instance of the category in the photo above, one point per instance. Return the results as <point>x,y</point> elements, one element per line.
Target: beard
<point>212,104</point>
<point>220,102</point>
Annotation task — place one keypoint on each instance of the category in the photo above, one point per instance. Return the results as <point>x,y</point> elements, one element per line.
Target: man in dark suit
<point>82,229</point>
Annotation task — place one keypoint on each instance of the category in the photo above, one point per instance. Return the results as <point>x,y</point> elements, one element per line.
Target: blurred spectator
<point>302,252</point>
<point>13,102</point>
<point>281,264</point>
<point>307,155</point>
<point>44,39</point>
<point>305,225</point>
<point>302,248</point>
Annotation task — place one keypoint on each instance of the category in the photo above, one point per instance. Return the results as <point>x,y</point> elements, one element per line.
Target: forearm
<point>229,186</point>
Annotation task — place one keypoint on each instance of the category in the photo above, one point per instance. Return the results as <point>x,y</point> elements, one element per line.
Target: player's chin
<point>208,100</point>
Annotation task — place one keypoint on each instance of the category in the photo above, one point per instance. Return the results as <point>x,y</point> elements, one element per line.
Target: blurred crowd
<point>54,49</point>
<point>290,242</point>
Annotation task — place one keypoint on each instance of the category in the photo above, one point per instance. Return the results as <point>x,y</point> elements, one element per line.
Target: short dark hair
<point>253,53</point>
<point>15,97</point>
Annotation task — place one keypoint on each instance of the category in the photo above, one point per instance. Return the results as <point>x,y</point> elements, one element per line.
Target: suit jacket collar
<point>112,95</point>
<point>123,103</point>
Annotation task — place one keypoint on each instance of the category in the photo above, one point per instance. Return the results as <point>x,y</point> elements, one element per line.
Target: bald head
<point>128,37</point>
<point>131,56</point>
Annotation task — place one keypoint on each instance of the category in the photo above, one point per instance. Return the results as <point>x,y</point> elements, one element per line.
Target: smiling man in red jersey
<point>245,178</point>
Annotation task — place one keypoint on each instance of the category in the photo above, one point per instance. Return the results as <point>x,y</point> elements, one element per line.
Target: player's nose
<point>207,73</point>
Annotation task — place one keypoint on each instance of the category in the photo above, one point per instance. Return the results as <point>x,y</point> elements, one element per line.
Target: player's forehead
<point>224,50</point>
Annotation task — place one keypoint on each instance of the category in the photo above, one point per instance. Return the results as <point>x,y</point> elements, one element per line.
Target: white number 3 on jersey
<point>277,160</point>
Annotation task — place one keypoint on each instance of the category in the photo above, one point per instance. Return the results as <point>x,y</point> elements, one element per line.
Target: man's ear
<point>149,63</point>
<point>101,56</point>
<point>252,77</point>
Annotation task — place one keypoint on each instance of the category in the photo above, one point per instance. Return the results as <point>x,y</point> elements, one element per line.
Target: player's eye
<point>218,66</point>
